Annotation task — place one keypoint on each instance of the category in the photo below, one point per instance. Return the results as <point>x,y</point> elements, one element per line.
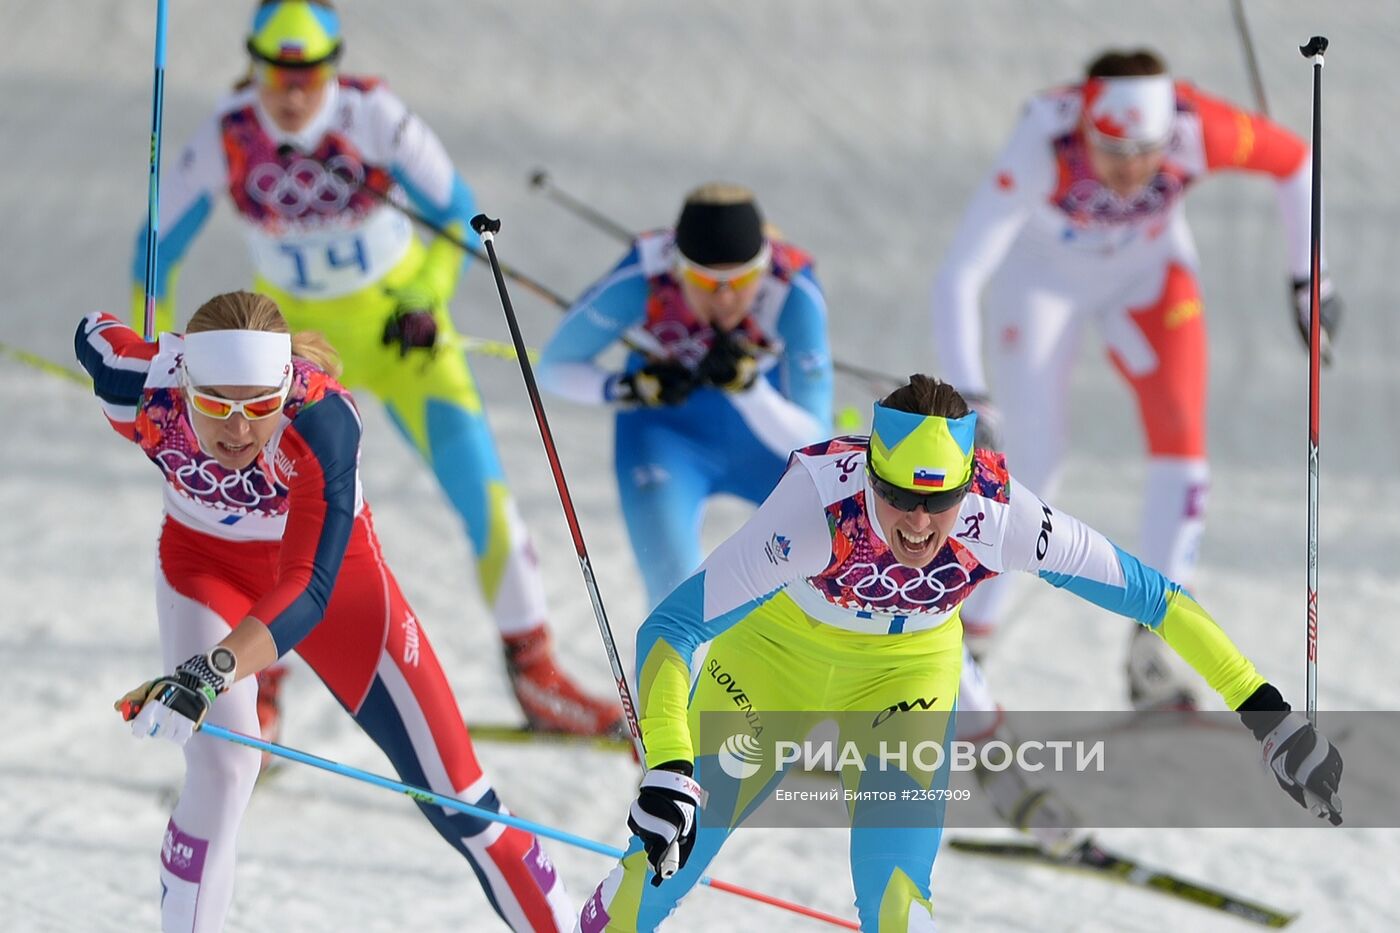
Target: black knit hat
<point>715,234</point>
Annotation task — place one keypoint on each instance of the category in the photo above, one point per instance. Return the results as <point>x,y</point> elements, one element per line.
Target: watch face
<point>222,660</point>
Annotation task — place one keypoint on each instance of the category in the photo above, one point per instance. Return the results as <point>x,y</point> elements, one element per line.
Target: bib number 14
<point>339,254</point>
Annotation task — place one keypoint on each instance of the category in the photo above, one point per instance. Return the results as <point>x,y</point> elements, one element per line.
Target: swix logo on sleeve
<point>286,467</point>
<point>410,639</point>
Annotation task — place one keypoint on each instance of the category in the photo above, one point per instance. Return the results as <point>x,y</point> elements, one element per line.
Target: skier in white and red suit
<point>1081,219</point>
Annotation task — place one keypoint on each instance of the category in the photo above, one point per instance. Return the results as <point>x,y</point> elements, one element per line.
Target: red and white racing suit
<point>290,541</point>
<point>1066,250</point>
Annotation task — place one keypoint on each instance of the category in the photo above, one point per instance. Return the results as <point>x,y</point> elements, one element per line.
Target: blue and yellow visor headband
<point>920,460</point>
<point>294,34</point>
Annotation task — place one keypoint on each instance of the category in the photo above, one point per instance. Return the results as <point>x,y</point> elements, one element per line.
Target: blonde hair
<point>249,311</point>
<point>725,192</point>
<point>720,193</point>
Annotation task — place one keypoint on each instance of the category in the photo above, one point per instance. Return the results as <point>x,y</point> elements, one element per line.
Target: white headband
<point>237,358</point>
<point>1137,109</point>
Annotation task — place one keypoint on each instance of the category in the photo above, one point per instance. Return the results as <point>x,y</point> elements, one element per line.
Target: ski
<point>1094,859</point>
<point>523,735</point>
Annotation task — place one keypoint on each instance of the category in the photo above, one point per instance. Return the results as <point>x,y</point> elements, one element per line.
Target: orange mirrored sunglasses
<point>253,409</point>
<point>285,78</point>
<point>712,280</point>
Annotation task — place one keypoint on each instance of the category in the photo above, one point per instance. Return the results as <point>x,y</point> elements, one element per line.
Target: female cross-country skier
<point>293,148</point>
<point>728,370</point>
<point>268,546</point>
<point>842,593</point>
<point>1082,220</point>
<point>722,299</point>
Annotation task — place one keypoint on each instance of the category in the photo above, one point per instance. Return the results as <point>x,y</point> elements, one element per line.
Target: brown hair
<point>1127,63</point>
<point>249,311</point>
<point>246,79</point>
<point>925,395</point>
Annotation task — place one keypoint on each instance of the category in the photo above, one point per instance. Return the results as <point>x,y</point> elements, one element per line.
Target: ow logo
<point>903,706</point>
<point>1042,543</point>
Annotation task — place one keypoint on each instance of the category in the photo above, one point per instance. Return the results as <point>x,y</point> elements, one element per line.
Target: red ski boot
<point>269,710</point>
<point>550,700</point>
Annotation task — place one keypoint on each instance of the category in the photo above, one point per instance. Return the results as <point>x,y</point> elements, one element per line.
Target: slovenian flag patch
<point>929,479</point>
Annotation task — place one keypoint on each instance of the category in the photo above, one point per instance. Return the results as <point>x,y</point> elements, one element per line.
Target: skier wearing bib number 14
<point>291,146</point>
<point>842,593</point>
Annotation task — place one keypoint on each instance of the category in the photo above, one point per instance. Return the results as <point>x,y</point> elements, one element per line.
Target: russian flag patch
<point>929,479</point>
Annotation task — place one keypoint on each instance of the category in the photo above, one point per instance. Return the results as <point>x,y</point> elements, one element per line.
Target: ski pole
<point>1256,80</point>
<point>361,184</point>
<point>477,346</point>
<point>423,795</point>
<point>43,364</point>
<point>636,339</point>
<point>540,181</point>
<point>1313,51</point>
<point>153,187</point>
<point>486,228</point>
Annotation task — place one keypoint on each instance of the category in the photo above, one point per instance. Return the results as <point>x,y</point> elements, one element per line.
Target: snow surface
<point>864,128</point>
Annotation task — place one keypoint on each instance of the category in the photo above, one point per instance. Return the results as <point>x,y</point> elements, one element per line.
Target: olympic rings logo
<point>1089,196</point>
<point>923,587</point>
<point>683,346</point>
<point>247,489</point>
<point>306,184</point>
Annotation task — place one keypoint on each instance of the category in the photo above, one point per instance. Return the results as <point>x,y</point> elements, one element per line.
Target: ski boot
<point>550,700</point>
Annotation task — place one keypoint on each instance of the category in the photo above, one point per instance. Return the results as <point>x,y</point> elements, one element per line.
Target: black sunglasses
<point>907,500</point>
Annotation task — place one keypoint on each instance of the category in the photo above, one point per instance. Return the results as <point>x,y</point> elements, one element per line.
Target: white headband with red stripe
<point>1138,109</point>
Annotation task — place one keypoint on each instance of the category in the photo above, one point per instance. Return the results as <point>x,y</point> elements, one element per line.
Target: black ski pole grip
<point>1316,46</point>
<point>483,224</point>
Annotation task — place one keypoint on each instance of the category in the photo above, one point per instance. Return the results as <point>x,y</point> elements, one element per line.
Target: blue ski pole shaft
<point>420,794</point>
<point>153,187</point>
<point>423,795</point>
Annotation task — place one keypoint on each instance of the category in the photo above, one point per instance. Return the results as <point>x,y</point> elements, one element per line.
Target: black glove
<point>412,325</point>
<point>988,420</point>
<point>663,814</point>
<point>731,363</point>
<point>1329,309</point>
<point>660,382</point>
<point>1305,764</point>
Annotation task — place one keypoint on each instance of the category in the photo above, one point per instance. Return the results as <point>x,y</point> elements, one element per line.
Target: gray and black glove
<point>173,707</point>
<point>1329,309</point>
<point>1305,764</point>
